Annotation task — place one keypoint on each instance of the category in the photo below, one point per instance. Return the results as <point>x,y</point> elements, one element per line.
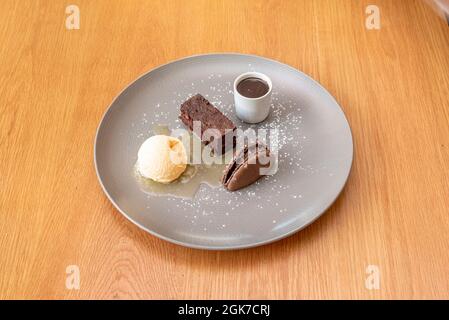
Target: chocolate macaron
<point>246,166</point>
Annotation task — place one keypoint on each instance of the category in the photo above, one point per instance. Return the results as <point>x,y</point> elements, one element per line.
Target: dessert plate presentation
<point>223,206</point>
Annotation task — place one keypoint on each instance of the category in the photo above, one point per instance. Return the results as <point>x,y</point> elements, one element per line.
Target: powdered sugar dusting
<point>210,208</point>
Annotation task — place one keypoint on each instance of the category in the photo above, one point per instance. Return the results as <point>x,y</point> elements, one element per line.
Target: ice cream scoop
<point>162,158</point>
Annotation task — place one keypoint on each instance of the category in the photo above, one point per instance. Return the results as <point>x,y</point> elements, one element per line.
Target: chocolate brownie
<point>198,108</point>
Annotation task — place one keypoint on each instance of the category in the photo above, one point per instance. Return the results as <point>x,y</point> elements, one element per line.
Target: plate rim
<point>221,247</point>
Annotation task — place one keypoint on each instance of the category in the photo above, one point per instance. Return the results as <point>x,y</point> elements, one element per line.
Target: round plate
<point>315,154</point>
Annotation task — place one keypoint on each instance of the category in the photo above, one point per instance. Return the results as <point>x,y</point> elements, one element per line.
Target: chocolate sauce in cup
<point>253,87</point>
<point>252,96</point>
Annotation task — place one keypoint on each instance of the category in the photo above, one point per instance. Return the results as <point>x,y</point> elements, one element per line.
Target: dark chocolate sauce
<point>252,87</point>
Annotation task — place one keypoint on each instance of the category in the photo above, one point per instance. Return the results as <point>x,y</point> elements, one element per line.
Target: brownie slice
<point>198,108</point>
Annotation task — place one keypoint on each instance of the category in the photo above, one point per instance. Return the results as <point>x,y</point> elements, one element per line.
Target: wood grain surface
<point>55,84</point>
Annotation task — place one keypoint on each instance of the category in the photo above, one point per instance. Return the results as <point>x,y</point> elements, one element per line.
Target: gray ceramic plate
<point>315,154</point>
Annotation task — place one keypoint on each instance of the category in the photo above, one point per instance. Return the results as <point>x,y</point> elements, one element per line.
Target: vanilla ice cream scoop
<point>162,158</point>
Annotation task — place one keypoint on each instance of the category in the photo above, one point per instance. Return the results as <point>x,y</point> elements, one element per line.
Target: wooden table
<point>392,83</point>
